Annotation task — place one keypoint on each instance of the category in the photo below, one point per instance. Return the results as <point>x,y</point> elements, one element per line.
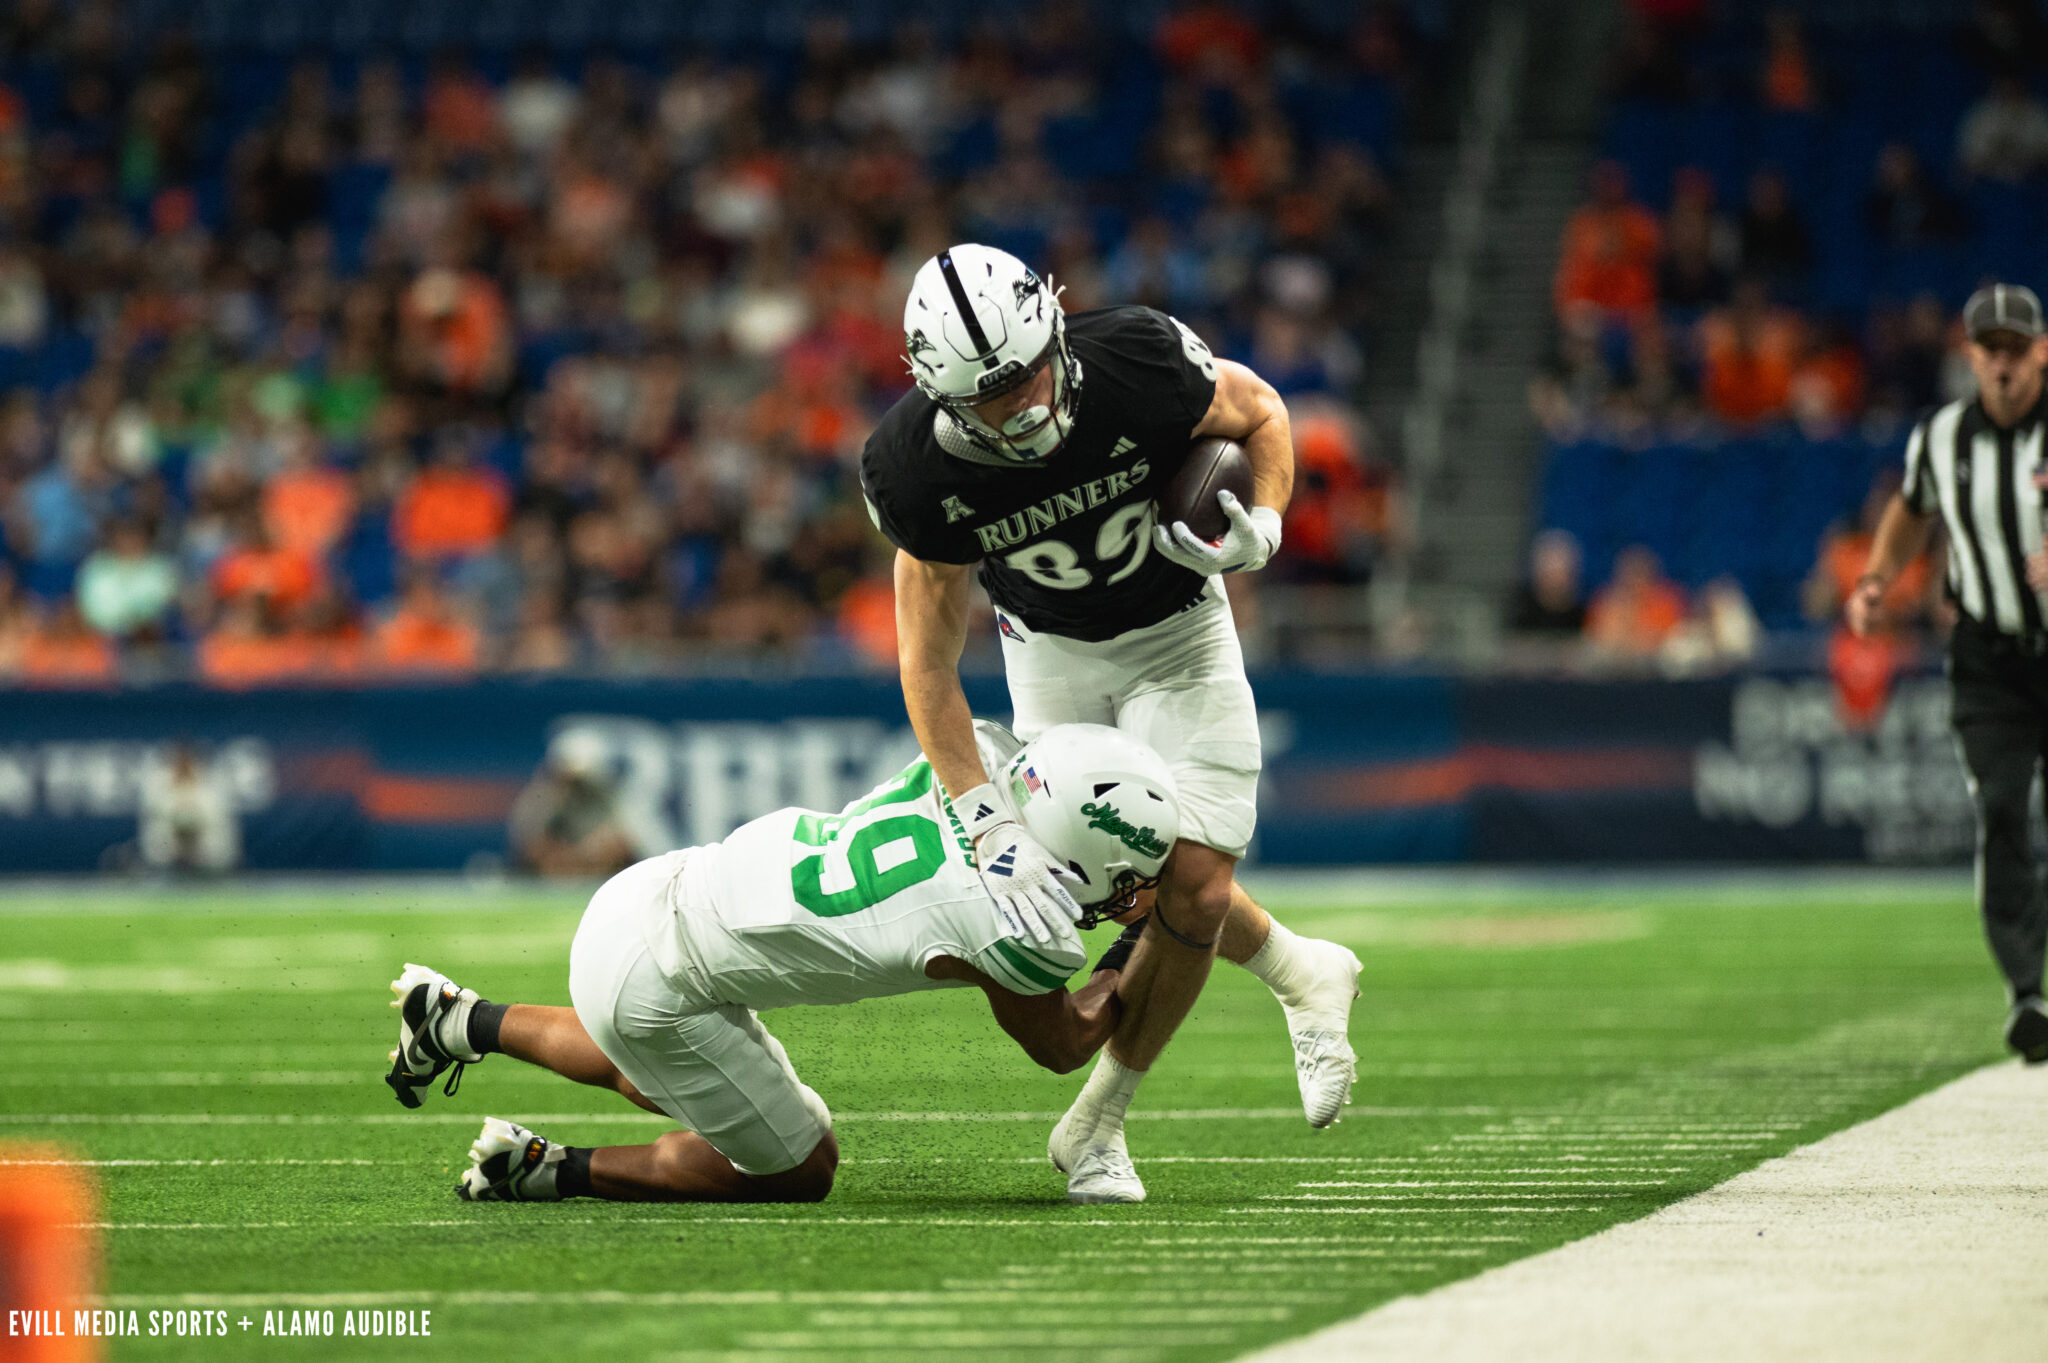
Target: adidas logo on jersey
<point>1124,445</point>
<point>955,509</point>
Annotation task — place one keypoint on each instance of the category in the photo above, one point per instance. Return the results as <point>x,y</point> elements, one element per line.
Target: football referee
<point>1978,464</point>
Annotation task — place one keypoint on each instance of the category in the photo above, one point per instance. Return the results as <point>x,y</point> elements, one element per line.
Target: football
<point>1213,465</point>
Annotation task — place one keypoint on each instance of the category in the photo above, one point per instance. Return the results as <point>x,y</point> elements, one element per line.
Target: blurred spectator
<point>1749,350</point>
<point>2005,37</point>
<point>61,651</point>
<point>1637,611</point>
<point>450,509</point>
<point>452,333</point>
<point>307,506</point>
<point>568,820</point>
<point>187,816</point>
<point>1608,262</point>
<point>1699,247</point>
<point>1345,518</point>
<point>2005,135</point>
<point>1725,630</point>
<point>1904,209</point>
<point>257,567</point>
<point>125,587</point>
<point>1786,83</point>
<point>426,634</point>
<point>1845,553</point>
<point>1549,602</point>
<point>296,327</point>
<point>459,110</point>
<point>1155,268</point>
<point>1775,242</point>
<point>538,106</point>
<point>248,647</point>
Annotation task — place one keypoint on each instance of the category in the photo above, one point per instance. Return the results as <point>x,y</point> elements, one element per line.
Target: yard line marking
<point>187,1079</point>
<point>1052,1219</point>
<point>1494,1183</point>
<point>1432,1197</point>
<point>1392,1211</point>
<point>201,1163</point>
<point>1306,1240</point>
<point>741,1297</point>
<point>649,1118</point>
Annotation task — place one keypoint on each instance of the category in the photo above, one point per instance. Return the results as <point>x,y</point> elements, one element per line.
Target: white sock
<point>1281,964</point>
<point>451,1029</point>
<point>1107,1095</point>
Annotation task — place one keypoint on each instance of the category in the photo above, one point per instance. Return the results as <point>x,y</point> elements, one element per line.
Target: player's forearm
<point>1901,535</point>
<point>1061,1031</point>
<point>1270,447</point>
<point>931,629</point>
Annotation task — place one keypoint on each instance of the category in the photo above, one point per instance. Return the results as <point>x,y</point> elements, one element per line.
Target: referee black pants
<point>1999,690</point>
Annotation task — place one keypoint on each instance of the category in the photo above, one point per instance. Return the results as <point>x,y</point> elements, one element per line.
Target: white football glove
<point>1253,537</point>
<point>1021,876</point>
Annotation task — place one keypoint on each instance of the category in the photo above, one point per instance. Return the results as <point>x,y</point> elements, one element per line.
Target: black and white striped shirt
<point>1981,479</point>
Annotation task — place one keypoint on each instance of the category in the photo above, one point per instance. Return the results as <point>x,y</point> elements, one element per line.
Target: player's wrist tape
<point>980,811</point>
<point>1267,522</point>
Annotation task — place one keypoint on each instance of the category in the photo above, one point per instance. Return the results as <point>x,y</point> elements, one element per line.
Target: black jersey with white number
<point>1066,545</point>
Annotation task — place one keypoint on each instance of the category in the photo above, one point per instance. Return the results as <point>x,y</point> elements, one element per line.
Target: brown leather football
<point>1213,465</point>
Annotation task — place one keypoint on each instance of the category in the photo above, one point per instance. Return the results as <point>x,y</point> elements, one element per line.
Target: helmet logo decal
<point>1111,821</point>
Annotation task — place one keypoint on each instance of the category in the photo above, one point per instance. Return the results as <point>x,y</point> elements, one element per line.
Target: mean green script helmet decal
<point>1110,820</point>
<point>1101,802</point>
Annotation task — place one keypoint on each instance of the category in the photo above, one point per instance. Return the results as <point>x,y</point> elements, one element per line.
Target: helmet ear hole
<point>1079,874</point>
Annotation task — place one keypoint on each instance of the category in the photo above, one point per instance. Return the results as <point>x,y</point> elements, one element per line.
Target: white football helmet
<point>978,324</point>
<point>1101,802</point>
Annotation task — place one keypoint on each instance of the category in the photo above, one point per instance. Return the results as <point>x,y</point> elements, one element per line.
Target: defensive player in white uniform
<point>676,953</point>
<point>1034,445</point>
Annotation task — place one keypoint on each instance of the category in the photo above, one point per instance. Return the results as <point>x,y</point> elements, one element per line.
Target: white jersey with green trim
<point>801,907</point>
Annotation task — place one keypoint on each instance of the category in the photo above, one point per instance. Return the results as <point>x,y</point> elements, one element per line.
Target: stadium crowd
<point>1759,295</point>
<point>350,365</point>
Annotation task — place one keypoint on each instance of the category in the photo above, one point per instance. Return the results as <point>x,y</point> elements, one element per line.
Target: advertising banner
<point>1359,768</point>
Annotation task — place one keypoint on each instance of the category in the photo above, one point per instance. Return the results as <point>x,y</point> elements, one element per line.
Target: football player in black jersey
<point>1033,445</point>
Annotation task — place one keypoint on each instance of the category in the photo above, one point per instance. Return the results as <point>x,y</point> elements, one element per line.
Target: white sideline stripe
<point>1205,1114</point>
<point>1913,1236</point>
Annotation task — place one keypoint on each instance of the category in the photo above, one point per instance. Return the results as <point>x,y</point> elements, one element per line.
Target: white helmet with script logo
<point>1099,801</point>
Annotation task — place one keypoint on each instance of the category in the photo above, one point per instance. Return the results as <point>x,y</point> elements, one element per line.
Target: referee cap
<point>2003,307</point>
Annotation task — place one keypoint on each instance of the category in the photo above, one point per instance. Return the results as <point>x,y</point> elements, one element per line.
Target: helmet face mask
<point>978,326</point>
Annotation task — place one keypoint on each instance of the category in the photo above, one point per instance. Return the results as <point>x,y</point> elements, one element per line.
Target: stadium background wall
<point>1360,768</point>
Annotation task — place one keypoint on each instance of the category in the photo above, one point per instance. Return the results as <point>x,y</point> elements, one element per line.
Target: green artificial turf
<point>1535,1064</point>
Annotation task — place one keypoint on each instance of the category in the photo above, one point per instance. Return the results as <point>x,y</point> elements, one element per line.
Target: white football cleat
<point>1325,1066</point>
<point>425,999</point>
<point>508,1163</point>
<point>1097,1166</point>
